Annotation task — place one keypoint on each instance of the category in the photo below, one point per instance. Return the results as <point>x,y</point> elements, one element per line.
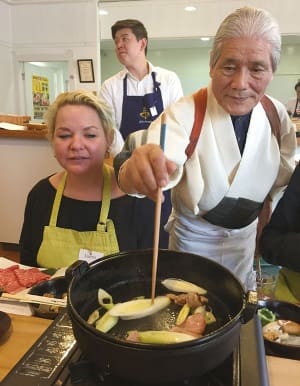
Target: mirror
<point>43,81</point>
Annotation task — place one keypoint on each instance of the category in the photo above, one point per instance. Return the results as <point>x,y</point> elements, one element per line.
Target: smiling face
<point>79,140</point>
<point>241,74</point>
<point>128,48</point>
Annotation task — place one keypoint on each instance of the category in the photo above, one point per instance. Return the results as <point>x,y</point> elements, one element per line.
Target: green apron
<point>60,247</point>
<point>288,286</point>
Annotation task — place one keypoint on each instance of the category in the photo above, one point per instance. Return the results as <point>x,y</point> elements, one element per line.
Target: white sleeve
<point>117,144</point>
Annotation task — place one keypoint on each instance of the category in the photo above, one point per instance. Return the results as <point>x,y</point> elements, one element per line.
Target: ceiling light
<point>190,8</point>
<point>103,12</point>
<point>39,64</point>
<point>205,39</point>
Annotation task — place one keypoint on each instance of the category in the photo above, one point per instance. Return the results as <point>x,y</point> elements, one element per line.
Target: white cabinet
<point>23,162</point>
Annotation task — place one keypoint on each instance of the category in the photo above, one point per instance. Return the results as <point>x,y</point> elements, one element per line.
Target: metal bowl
<point>285,311</point>
<point>56,287</point>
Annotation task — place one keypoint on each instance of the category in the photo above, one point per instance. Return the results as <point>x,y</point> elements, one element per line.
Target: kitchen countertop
<point>35,134</point>
<point>26,330</point>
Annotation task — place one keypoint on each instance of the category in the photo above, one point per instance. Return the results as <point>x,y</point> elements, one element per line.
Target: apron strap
<point>106,194</point>
<point>200,100</point>
<point>57,200</point>
<point>273,117</point>
<point>155,83</point>
<point>125,86</point>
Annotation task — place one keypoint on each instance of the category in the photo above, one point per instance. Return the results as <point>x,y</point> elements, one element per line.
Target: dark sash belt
<point>234,213</point>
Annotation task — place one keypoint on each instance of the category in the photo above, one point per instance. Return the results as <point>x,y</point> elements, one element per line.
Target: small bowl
<point>5,326</point>
<point>58,287</point>
<point>285,311</point>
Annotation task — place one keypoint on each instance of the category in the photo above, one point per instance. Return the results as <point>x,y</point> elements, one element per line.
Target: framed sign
<point>86,70</point>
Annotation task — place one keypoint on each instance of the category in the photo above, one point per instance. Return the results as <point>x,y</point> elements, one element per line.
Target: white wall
<point>287,75</point>
<point>166,18</point>
<point>6,73</point>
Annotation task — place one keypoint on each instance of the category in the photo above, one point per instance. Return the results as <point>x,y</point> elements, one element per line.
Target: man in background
<point>293,105</point>
<point>138,94</point>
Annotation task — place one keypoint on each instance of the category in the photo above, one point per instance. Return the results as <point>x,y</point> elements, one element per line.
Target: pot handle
<point>250,307</point>
<point>76,270</point>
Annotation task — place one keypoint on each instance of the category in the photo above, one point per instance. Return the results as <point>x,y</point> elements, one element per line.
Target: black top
<point>241,125</point>
<point>280,241</point>
<point>133,229</point>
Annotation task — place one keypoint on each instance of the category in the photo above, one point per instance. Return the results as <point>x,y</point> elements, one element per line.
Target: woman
<point>280,241</point>
<point>79,212</point>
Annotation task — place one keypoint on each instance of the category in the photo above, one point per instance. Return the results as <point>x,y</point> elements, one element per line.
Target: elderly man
<point>237,164</point>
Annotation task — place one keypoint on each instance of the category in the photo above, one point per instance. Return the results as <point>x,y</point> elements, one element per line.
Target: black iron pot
<point>127,275</point>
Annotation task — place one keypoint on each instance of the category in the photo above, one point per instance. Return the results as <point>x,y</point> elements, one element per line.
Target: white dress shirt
<point>112,88</point>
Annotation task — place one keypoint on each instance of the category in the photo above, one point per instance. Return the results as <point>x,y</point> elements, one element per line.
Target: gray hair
<point>248,22</point>
<point>80,98</point>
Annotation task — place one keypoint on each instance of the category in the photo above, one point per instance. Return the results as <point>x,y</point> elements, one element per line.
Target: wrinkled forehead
<point>246,49</point>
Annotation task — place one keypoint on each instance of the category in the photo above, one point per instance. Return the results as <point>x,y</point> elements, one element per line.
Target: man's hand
<point>145,171</point>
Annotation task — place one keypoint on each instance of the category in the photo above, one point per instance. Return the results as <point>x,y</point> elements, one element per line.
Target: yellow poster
<point>40,95</point>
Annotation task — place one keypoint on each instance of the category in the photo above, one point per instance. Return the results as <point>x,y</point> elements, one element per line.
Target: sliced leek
<point>179,285</point>
<point>209,317</point>
<point>106,322</point>
<point>163,337</point>
<point>200,310</point>
<point>94,316</point>
<point>183,314</point>
<point>105,299</point>
<point>139,308</point>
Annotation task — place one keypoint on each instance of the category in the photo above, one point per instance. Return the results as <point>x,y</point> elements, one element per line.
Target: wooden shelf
<point>38,134</point>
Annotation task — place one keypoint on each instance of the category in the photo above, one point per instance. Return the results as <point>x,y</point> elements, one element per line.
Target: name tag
<point>89,256</point>
<point>153,111</point>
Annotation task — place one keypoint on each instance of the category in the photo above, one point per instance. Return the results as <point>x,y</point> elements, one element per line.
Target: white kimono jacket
<point>217,169</point>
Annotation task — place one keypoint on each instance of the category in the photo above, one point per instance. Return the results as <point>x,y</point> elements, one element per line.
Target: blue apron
<point>137,114</point>
<point>139,111</point>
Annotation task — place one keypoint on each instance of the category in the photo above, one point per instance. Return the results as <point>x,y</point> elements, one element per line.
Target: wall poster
<point>40,95</point>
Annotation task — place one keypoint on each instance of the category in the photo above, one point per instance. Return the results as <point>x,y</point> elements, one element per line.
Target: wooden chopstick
<point>36,299</point>
<point>157,216</point>
<point>156,242</point>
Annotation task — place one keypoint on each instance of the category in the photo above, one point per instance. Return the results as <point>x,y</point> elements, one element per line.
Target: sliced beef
<point>14,279</point>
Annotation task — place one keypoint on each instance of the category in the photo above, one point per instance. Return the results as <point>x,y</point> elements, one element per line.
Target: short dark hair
<point>297,85</point>
<point>137,28</point>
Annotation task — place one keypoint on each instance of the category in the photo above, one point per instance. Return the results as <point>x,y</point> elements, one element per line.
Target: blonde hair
<point>80,98</point>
